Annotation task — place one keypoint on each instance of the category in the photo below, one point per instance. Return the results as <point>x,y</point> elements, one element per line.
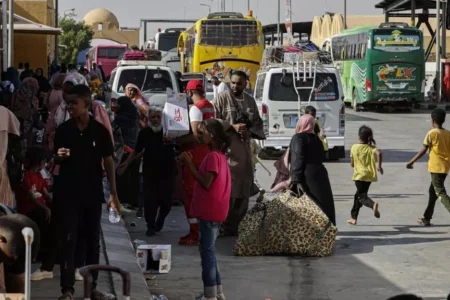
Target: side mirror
<point>343,98</point>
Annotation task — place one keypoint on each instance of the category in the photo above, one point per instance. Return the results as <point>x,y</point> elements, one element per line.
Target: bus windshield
<point>396,40</point>
<point>167,42</point>
<point>229,33</point>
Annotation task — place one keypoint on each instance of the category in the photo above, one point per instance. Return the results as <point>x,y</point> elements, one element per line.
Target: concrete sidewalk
<point>116,250</point>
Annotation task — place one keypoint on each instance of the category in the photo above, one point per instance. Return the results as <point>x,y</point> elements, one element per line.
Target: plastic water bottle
<point>113,216</point>
<point>40,136</point>
<point>162,297</point>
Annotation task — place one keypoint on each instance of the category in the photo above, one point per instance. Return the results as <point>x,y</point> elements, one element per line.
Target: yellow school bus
<point>221,43</point>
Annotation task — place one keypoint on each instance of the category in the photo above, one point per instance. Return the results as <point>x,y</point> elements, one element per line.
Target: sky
<point>131,11</point>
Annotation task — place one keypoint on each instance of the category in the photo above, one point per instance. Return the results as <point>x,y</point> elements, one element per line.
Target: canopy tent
<point>23,25</point>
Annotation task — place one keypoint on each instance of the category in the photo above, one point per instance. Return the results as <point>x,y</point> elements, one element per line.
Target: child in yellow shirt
<point>365,171</point>
<point>437,141</point>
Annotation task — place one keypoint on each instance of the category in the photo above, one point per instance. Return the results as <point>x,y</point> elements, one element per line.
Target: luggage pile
<point>306,50</point>
<point>147,54</point>
<point>287,225</point>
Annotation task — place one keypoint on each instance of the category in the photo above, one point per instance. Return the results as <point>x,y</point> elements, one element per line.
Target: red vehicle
<point>107,55</point>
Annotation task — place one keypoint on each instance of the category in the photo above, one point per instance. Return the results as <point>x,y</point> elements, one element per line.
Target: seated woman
<point>307,171</point>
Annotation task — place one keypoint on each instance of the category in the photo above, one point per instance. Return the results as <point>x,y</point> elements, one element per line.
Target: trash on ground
<point>154,258</point>
<point>137,243</point>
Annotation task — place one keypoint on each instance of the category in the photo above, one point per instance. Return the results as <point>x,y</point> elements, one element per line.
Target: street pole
<point>345,14</point>
<point>278,24</point>
<point>438,50</point>
<point>56,36</point>
<point>11,34</point>
<point>5,35</point>
<point>248,5</point>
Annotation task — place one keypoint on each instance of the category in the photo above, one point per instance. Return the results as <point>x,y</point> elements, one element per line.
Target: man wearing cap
<point>201,110</point>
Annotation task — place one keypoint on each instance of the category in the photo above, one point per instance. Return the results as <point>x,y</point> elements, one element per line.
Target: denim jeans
<point>210,270</point>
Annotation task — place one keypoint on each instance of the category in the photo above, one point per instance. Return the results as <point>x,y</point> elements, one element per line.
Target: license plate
<point>291,57</point>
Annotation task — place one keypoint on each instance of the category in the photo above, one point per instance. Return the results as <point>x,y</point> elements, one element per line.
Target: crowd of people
<point>81,146</point>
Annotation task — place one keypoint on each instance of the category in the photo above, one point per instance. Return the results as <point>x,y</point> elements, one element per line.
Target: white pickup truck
<point>152,77</point>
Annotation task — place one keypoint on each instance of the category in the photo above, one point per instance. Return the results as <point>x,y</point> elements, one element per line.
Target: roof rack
<point>394,25</point>
<point>126,63</point>
<point>225,15</point>
<point>287,56</point>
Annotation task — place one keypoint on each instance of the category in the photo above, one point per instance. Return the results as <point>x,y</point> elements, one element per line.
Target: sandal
<point>423,221</point>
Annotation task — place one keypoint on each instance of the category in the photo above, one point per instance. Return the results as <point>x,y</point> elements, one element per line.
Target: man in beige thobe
<point>235,108</point>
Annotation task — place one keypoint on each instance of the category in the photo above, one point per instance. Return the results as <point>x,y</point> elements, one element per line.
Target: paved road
<point>377,259</point>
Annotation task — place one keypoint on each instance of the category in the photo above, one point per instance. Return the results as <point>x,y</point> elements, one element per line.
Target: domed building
<point>106,26</point>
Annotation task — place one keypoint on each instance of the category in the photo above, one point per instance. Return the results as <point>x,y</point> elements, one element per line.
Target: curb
<point>119,252</point>
<point>431,106</point>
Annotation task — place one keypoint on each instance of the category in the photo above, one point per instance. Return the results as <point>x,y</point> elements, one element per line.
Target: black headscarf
<point>44,85</point>
<point>127,113</point>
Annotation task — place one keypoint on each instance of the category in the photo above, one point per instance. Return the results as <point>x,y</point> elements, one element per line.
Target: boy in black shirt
<point>81,144</point>
<point>159,171</point>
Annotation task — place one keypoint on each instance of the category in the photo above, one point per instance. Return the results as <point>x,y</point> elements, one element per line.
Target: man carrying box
<point>200,111</point>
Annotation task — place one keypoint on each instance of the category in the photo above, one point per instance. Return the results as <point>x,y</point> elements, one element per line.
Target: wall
<point>43,46</point>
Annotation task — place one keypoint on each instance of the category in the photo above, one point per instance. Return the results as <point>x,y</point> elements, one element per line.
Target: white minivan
<point>278,102</point>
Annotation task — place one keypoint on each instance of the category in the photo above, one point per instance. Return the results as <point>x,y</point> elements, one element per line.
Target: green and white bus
<point>379,66</point>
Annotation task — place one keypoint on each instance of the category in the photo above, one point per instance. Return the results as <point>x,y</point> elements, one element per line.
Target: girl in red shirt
<point>210,203</point>
<point>32,197</point>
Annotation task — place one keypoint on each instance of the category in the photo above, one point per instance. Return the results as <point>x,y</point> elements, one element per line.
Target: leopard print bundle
<point>288,225</point>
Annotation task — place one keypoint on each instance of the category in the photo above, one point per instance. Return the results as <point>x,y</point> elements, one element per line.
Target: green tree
<point>76,37</point>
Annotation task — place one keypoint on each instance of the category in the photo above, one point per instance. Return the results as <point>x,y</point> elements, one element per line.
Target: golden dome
<point>103,16</point>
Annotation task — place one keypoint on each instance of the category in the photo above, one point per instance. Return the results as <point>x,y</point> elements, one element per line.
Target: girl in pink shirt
<point>210,203</point>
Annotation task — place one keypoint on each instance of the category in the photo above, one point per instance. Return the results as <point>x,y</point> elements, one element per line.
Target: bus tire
<point>355,104</point>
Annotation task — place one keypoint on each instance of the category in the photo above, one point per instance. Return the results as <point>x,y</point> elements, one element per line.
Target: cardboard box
<point>154,258</point>
<point>175,115</point>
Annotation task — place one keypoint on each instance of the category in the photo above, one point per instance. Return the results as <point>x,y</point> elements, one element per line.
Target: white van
<point>278,103</point>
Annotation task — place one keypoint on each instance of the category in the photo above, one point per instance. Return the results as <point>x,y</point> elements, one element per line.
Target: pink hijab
<point>306,124</point>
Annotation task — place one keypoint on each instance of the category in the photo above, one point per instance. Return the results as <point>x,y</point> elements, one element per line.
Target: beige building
<point>106,26</point>
<point>34,46</point>
<point>327,26</point>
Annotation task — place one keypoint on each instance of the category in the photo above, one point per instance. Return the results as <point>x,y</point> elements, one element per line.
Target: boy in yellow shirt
<point>437,141</point>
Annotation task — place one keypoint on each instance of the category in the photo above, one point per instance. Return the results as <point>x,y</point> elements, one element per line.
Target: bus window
<point>110,53</point>
<point>394,40</point>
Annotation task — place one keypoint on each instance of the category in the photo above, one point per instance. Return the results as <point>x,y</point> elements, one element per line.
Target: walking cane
<point>28,235</point>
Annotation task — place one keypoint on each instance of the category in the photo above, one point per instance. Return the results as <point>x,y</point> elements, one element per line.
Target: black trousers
<point>361,198</point>
<point>128,184</point>
<point>437,191</point>
<point>82,227</point>
<point>53,237</point>
<point>157,195</point>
